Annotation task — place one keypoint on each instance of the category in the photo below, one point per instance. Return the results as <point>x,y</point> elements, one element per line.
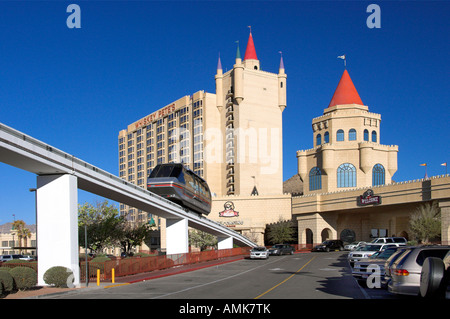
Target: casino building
<point>233,139</point>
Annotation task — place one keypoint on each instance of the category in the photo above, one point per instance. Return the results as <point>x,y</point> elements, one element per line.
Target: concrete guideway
<point>60,174</point>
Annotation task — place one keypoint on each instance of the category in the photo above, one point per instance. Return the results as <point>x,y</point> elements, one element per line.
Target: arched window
<point>374,136</point>
<point>318,139</point>
<point>378,175</point>
<point>346,175</point>
<point>352,135</point>
<point>340,135</point>
<point>315,179</point>
<point>366,135</point>
<point>326,137</point>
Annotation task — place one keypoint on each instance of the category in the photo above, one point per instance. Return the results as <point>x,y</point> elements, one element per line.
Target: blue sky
<point>75,89</point>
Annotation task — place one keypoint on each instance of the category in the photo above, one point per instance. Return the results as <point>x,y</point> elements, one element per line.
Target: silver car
<point>405,271</point>
<point>259,253</point>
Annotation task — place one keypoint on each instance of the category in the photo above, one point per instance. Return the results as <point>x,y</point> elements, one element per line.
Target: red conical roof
<point>250,52</point>
<point>345,92</point>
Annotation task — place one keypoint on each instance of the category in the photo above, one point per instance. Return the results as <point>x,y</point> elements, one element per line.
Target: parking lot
<point>317,275</point>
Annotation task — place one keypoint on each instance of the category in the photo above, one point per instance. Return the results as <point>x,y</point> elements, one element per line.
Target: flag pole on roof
<point>343,58</point>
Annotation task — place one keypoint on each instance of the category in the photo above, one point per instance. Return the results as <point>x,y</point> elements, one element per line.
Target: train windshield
<point>166,171</point>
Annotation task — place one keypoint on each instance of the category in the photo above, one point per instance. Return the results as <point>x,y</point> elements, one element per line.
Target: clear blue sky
<point>75,89</point>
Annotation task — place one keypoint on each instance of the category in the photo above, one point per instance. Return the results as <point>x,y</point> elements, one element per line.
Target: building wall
<point>251,214</point>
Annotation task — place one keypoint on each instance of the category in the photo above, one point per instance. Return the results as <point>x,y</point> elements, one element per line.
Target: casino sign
<point>368,198</point>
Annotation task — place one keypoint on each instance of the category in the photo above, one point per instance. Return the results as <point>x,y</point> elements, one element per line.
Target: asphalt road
<point>298,276</point>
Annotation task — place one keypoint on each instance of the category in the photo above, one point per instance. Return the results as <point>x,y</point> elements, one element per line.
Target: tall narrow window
<point>326,137</point>
<point>366,135</point>
<point>315,179</point>
<point>352,135</point>
<point>374,136</point>
<point>378,175</point>
<point>346,175</point>
<point>340,135</point>
<point>318,139</point>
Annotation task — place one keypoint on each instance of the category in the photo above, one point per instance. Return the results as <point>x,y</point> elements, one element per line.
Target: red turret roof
<point>345,92</point>
<point>250,52</point>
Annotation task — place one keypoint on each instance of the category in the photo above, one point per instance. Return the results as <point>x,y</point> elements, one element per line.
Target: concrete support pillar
<point>177,236</point>
<point>57,224</point>
<point>224,242</point>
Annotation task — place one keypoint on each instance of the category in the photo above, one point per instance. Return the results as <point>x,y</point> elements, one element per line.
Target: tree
<point>201,239</point>
<point>425,222</point>
<point>103,225</point>
<point>129,236</point>
<point>22,232</point>
<point>281,232</point>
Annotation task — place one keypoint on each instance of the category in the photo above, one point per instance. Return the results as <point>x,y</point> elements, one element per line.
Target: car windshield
<point>370,248</point>
<point>277,246</point>
<point>259,249</point>
<point>385,254</point>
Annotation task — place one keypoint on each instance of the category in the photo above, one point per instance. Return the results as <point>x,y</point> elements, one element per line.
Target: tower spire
<point>250,52</point>
<point>345,92</point>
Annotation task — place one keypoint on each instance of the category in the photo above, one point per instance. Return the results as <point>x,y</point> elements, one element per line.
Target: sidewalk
<point>125,280</point>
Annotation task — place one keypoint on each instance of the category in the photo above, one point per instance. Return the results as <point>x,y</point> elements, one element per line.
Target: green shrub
<point>100,259</point>
<point>6,280</point>
<point>58,276</point>
<point>24,277</point>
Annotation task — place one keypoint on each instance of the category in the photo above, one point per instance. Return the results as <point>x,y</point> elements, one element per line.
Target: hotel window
<point>346,175</point>
<point>378,175</point>
<point>326,137</point>
<point>315,179</point>
<point>318,139</point>
<point>340,135</point>
<point>374,136</point>
<point>366,135</point>
<point>352,135</point>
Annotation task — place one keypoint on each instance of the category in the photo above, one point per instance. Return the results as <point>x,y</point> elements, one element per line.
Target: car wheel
<point>431,278</point>
<point>327,249</point>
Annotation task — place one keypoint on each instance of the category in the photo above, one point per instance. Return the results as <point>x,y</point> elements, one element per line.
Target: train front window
<point>162,171</point>
<point>176,171</point>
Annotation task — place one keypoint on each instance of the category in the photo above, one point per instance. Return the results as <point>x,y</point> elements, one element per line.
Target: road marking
<point>257,297</point>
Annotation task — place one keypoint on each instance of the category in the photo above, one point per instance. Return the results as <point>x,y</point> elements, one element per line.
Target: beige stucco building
<point>348,189</point>
<point>233,139</point>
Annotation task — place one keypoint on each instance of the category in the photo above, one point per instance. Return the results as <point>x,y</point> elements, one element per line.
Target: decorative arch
<point>326,234</point>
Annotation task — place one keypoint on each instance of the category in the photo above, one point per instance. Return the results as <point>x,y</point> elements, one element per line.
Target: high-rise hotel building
<point>232,138</point>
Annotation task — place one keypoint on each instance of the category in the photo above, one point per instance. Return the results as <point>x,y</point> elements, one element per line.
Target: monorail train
<point>182,186</point>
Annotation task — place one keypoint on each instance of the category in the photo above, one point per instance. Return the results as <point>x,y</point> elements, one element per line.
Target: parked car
<point>388,240</point>
<point>389,262</point>
<point>406,270</point>
<point>354,245</point>
<point>28,258</point>
<point>366,251</point>
<point>377,262</point>
<point>280,249</point>
<point>259,253</point>
<point>328,245</point>
<point>4,258</point>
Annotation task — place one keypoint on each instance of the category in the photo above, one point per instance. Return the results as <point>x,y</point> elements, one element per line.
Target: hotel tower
<point>233,138</point>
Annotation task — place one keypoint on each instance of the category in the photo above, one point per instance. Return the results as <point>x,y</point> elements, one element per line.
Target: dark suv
<point>281,249</point>
<point>328,245</point>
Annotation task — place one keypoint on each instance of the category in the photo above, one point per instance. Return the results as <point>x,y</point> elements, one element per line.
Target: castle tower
<point>251,124</point>
<point>347,151</point>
